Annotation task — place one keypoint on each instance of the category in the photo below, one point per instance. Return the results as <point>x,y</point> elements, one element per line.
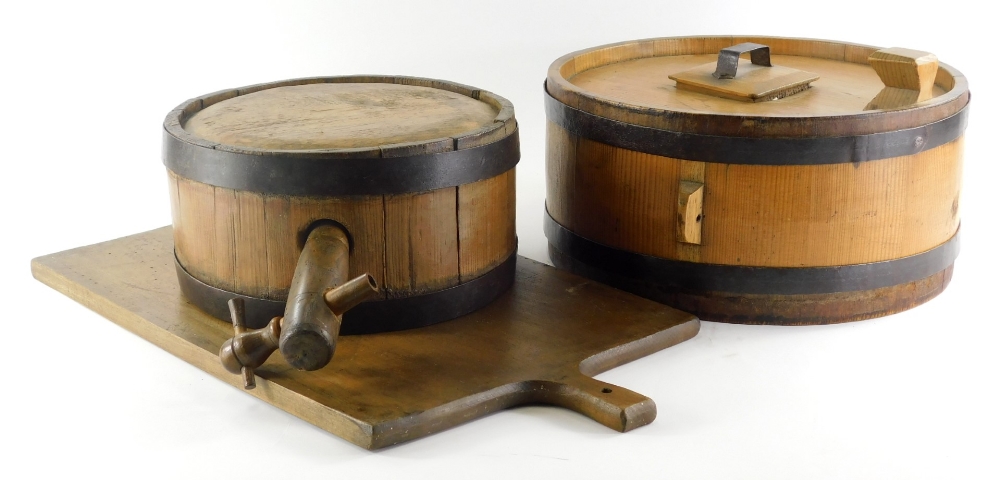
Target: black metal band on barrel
<point>316,173</point>
<point>756,151</point>
<point>369,317</point>
<point>692,276</point>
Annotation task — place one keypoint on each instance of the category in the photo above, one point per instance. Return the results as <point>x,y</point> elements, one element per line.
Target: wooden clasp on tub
<point>319,295</point>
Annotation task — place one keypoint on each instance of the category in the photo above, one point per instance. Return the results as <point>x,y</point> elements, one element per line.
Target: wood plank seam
<point>458,231</point>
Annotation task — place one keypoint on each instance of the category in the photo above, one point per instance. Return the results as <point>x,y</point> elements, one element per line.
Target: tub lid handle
<point>729,58</point>
<point>908,76</point>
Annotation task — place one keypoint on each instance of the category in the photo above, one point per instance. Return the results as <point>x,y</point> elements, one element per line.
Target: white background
<point>85,87</point>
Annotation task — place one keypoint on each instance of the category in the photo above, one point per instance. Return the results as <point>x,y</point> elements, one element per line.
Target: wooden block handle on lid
<point>908,76</point>
<point>758,80</point>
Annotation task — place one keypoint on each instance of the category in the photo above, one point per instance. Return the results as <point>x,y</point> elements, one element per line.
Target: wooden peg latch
<point>690,198</point>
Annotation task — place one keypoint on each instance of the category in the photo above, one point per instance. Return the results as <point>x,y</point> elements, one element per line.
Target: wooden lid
<point>631,82</point>
<point>356,114</point>
<point>336,136</point>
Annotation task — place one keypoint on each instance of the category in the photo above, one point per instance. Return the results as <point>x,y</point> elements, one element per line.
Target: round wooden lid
<point>339,115</point>
<point>351,113</point>
<point>640,83</point>
<point>337,136</point>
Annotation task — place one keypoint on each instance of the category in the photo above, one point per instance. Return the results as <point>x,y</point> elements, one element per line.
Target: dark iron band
<point>692,276</point>
<point>368,317</point>
<point>756,151</point>
<point>316,173</point>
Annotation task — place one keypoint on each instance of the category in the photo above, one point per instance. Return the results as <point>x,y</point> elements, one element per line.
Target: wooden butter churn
<point>813,182</point>
<point>283,192</point>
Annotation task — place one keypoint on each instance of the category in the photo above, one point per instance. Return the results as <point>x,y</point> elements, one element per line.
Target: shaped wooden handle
<point>248,350</point>
<point>908,76</point>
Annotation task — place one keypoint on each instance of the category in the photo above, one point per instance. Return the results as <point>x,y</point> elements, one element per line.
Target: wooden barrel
<point>818,184</point>
<point>419,172</point>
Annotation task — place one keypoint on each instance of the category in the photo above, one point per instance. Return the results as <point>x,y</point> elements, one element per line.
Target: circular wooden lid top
<point>629,82</point>
<point>349,135</point>
<point>842,89</point>
<point>340,116</point>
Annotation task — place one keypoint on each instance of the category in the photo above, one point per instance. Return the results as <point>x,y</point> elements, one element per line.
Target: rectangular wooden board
<point>540,342</point>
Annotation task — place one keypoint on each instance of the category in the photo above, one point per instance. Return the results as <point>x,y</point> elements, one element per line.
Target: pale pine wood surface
<point>842,88</point>
<point>421,242</point>
<point>560,173</point>
<point>908,76</point>
<point>486,230</point>
<point>340,115</point>
<point>753,83</point>
<point>698,113</point>
<point>537,343</point>
<point>757,215</point>
<point>906,68</point>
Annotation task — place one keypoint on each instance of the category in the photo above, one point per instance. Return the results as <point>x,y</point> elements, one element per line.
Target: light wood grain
<point>195,235</point>
<point>249,243</point>
<point>624,197</point>
<point>778,216</point>
<point>421,242</point>
<point>690,197</point>
<point>842,88</point>
<point>340,115</point>
<point>486,229</point>
<point>908,76</point>
<point>361,216</point>
<point>753,83</point>
<point>281,260</point>
<point>905,68</point>
<point>222,237</point>
<point>627,82</point>
<point>394,387</point>
<point>760,215</point>
<point>250,246</point>
<point>560,173</point>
